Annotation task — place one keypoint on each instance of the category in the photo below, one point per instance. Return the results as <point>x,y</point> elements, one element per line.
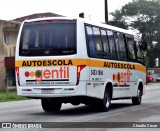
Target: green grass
<point>10,95</point>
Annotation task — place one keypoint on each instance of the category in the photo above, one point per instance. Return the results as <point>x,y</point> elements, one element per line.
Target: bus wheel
<point>106,102</point>
<point>137,100</point>
<point>50,105</point>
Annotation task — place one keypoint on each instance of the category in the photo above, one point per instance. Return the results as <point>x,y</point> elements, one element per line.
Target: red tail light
<point>79,69</point>
<point>18,77</point>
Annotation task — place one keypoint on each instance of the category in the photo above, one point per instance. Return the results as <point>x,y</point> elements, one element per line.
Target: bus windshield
<point>45,38</point>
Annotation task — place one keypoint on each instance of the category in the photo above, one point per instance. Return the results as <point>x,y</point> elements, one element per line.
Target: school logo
<point>60,74</point>
<point>122,77</point>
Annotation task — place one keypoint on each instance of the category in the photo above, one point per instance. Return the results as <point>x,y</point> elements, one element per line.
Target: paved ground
<point>121,111</point>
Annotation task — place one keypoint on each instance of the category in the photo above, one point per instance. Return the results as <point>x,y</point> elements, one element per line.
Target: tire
<point>137,100</point>
<point>50,105</point>
<point>106,102</point>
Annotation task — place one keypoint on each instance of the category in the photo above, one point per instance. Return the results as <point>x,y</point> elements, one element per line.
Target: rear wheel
<point>137,100</point>
<point>50,105</point>
<point>106,102</point>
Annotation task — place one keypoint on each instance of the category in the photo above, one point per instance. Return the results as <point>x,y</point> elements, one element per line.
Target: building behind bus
<point>8,35</point>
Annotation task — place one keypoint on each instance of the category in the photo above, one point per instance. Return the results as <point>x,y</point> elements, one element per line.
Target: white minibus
<point>64,60</point>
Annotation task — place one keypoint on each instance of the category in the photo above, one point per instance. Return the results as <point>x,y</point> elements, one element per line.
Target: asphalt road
<point>121,111</point>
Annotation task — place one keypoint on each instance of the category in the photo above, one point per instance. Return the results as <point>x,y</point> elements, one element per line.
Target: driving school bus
<point>63,60</point>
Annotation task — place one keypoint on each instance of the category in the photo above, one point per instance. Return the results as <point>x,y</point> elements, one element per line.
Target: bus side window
<point>123,52</point>
<point>139,53</point>
<point>131,49</point>
<point>91,42</point>
<point>98,42</point>
<point>105,44</point>
<point>112,45</point>
<point>117,45</point>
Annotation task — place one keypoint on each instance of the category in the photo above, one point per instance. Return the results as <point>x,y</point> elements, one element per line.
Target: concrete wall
<point>13,37</point>
<point>12,30</point>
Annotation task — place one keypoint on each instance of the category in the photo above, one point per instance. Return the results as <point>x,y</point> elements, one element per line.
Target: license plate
<point>47,91</point>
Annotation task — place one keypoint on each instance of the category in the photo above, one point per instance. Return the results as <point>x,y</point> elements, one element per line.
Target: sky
<point>11,9</point>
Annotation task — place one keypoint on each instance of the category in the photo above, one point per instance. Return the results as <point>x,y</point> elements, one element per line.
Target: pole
<point>106,10</point>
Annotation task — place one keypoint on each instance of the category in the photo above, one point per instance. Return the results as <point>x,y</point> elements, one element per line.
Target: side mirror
<point>143,46</point>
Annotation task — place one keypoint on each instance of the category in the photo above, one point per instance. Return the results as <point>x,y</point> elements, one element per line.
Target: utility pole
<point>106,10</point>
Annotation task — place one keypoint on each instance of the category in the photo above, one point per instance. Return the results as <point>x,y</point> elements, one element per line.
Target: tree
<point>144,17</point>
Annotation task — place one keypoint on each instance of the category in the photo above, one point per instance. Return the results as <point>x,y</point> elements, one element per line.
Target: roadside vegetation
<point>142,16</point>
<point>10,95</point>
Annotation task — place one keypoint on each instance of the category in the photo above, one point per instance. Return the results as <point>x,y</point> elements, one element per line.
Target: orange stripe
<point>75,62</point>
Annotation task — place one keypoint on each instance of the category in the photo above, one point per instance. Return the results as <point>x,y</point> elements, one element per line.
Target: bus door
<point>96,53</point>
<point>134,73</point>
<point>122,68</point>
